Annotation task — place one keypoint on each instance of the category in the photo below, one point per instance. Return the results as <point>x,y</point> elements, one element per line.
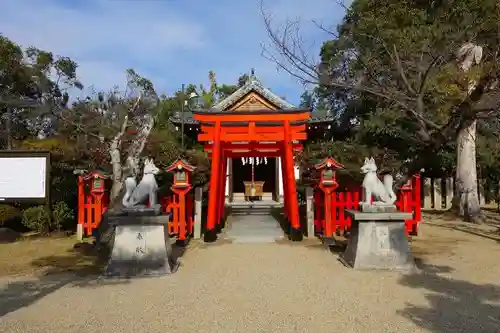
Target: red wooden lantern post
<point>181,186</point>
<point>91,189</point>
<point>410,202</point>
<point>328,184</point>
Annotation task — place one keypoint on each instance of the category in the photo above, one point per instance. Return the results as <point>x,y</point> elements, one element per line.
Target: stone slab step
<point>250,221</point>
<point>257,237</point>
<point>254,202</point>
<point>243,213</point>
<point>250,211</point>
<point>254,231</point>
<point>238,208</point>
<point>270,203</point>
<point>250,239</point>
<point>254,228</point>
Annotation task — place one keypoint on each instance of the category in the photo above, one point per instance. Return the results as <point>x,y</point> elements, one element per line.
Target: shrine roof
<point>329,161</point>
<point>182,163</point>
<point>214,111</point>
<point>252,84</point>
<point>189,119</point>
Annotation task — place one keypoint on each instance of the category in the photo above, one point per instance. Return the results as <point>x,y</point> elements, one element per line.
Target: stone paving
<point>253,229</point>
<point>273,287</point>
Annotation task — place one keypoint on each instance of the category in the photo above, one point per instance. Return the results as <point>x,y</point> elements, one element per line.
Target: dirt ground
<point>287,287</point>
<point>52,255</point>
<point>47,255</point>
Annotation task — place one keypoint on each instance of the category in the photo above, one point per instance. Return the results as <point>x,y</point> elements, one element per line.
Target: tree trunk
<point>8,128</point>
<point>116,165</point>
<point>466,199</point>
<point>131,167</point>
<point>115,190</point>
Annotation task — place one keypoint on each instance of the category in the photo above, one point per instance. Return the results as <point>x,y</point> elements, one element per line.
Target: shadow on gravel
<point>80,267</point>
<point>81,270</point>
<point>18,294</point>
<point>454,305</point>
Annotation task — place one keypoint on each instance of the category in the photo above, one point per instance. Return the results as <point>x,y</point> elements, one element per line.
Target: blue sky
<point>168,41</point>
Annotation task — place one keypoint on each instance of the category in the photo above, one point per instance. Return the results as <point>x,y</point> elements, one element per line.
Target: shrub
<point>62,215</point>
<point>37,219</point>
<point>8,212</point>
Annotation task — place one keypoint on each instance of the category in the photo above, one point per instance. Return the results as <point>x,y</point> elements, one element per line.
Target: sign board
<point>24,176</point>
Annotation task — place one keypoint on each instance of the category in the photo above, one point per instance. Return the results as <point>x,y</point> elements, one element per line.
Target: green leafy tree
<point>31,81</point>
<point>414,70</point>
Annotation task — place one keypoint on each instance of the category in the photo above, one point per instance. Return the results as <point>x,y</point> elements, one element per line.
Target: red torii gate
<point>259,133</point>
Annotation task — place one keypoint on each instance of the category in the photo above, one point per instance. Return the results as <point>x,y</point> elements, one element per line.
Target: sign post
<point>25,176</point>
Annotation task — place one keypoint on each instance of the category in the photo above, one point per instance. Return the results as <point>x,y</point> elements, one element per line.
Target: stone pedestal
<point>141,246</point>
<point>310,212</point>
<point>378,241</point>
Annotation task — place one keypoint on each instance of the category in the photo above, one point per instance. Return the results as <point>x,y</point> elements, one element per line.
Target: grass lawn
<point>48,255</point>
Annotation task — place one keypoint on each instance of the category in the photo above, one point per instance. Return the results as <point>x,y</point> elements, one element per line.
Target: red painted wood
<point>222,197</point>
<point>408,201</point>
<point>248,117</point>
<point>214,180</point>
<point>256,129</point>
<point>285,186</point>
<point>290,174</point>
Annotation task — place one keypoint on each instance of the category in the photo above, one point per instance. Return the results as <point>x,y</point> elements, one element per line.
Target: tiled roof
<point>189,120</point>
<point>253,84</point>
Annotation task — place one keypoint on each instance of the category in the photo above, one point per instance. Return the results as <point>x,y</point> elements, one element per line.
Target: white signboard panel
<point>23,177</point>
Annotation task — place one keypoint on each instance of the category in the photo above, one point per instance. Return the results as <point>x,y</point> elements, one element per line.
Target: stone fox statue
<point>137,194</point>
<point>372,186</point>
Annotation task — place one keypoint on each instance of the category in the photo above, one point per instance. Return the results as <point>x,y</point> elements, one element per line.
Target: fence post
<point>482,197</point>
<point>437,198</point>
<point>427,193</point>
<point>449,192</point>
<point>310,212</point>
<point>198,198</point>
<point>81,209</point>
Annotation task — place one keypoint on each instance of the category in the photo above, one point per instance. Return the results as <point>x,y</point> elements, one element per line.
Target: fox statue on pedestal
<point>382,193</point>
<point>137,194</point>
<point>134,197</point>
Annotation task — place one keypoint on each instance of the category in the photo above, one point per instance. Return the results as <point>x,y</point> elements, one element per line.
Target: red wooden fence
<point>176,226</point>
<point>91,207</point>
<point>408,201</point>
<point>90,210</point>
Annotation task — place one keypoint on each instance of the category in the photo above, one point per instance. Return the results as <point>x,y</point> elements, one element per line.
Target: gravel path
<point>274,288</point>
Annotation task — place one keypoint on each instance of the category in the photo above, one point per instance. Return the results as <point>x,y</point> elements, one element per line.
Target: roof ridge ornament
<point>253,83</point>
<point>252,78</point>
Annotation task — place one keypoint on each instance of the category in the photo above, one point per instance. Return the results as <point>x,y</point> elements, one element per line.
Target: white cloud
<point>108,24</point>
<point>170,42</point>
<point>101,38</point>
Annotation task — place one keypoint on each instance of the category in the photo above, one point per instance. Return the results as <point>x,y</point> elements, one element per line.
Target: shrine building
<point>252,138</point>
<point>253,97</point>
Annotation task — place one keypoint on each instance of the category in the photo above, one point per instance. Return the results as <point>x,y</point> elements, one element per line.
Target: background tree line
<point>413,82</point>
<point>42,109</point>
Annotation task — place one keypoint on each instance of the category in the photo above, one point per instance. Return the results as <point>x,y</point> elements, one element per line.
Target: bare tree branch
<point>287,45</point>
<point>70,122</point>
